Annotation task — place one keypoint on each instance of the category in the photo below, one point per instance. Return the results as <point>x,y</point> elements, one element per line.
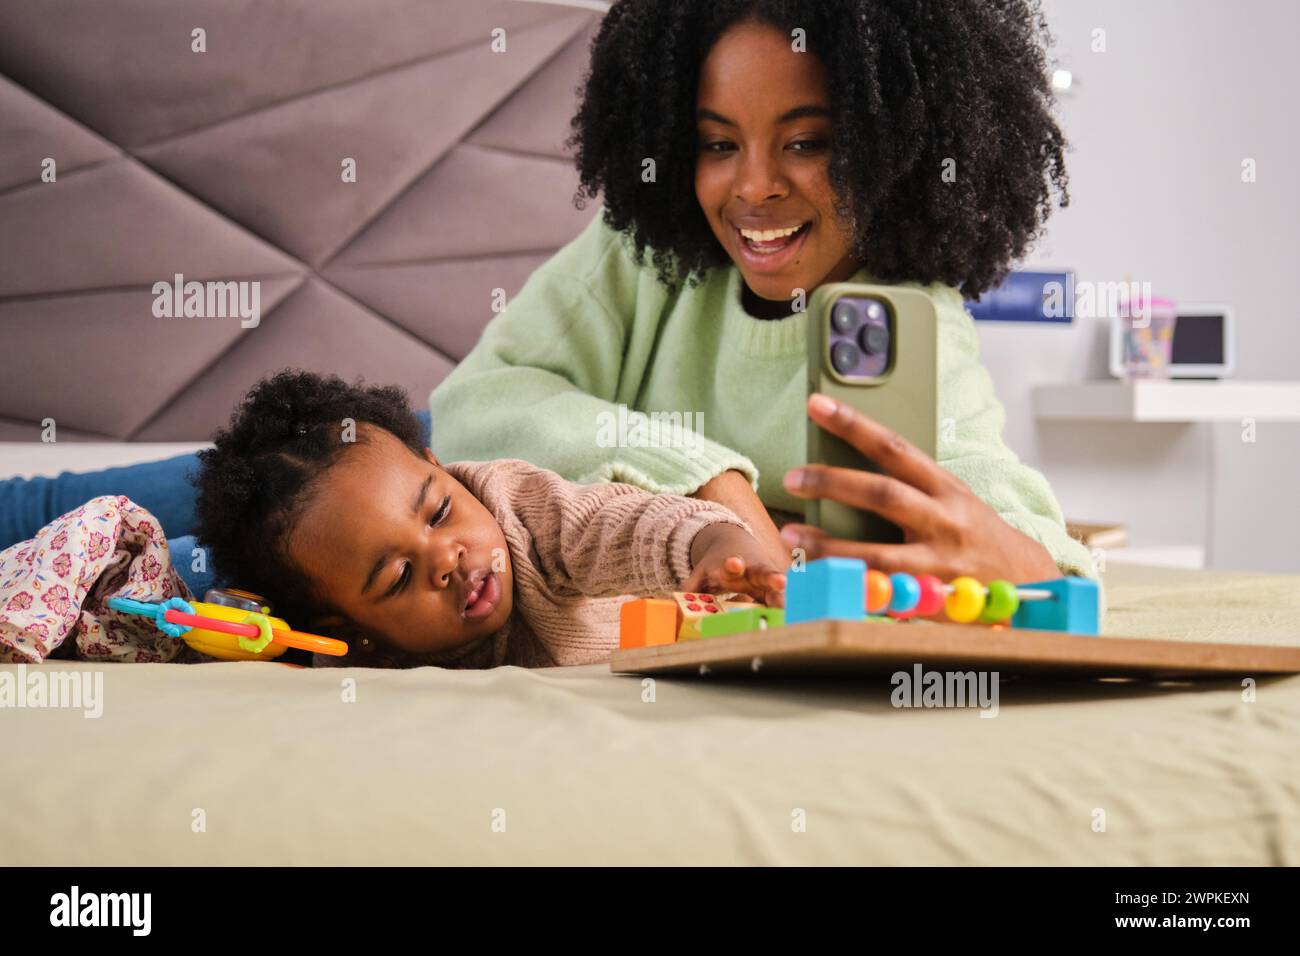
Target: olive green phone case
<point>903,398</point>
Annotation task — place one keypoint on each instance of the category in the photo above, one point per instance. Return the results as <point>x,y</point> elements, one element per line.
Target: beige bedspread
<point>577,766</point>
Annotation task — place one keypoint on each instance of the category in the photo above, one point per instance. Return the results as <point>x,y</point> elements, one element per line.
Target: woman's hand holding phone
<point>948,530</point>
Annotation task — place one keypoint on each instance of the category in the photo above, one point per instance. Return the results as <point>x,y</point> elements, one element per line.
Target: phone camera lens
<point>844,357</point>
<point>875,339</point>
<point>875,311</point>
<point>844,317</point>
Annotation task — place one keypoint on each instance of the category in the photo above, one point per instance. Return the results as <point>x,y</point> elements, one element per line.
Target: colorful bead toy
<point>844,589</point>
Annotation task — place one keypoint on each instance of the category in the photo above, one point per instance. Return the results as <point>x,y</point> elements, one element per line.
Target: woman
<point>753,150</point>
<point>907,141</point>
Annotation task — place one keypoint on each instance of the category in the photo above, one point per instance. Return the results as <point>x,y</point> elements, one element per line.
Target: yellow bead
<point>966,600</point>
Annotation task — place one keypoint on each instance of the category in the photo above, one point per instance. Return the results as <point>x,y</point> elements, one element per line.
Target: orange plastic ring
<point>311,642</point>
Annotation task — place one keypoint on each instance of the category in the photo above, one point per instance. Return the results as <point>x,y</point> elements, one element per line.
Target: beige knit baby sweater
<point>577,552</point>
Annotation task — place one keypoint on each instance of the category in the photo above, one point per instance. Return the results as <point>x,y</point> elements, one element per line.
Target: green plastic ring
<point>258,644</point>
<point>1003,601</point>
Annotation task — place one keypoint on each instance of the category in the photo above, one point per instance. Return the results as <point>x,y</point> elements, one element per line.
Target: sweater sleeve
<point>598,540</point>
<point>545,381</point>
<point>971,446</point>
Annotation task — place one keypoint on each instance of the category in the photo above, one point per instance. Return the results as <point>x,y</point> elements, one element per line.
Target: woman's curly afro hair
<point>913,83</point>
<point>252,486</point>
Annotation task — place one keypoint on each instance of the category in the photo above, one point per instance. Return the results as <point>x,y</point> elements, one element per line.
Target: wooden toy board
<point>852,647</point>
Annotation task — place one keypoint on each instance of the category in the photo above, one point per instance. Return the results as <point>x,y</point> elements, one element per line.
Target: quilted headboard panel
<point>231,164</point>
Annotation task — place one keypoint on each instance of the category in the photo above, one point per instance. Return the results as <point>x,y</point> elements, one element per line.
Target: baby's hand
<point>726,558</point>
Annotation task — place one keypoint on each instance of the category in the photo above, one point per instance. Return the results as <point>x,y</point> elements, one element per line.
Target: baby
<point>323,497</point>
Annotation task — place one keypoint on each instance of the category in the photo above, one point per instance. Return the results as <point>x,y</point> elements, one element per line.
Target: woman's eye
<point>802,146</point>
<point>441,512</point>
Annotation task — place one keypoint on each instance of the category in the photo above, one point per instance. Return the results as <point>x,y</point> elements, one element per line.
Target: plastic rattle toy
<point>230,625</point>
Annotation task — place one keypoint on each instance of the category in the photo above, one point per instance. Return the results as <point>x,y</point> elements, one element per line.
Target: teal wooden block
<point>1073,607</point>
<point>829,589</point>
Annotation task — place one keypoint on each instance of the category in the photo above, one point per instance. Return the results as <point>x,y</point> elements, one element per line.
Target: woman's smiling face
<point>403,548</point>
<point>764,123</point>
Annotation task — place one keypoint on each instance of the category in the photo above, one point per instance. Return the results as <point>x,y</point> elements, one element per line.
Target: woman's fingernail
<point>821,404</point>
<point>790,537</point>
<point>793,480</point>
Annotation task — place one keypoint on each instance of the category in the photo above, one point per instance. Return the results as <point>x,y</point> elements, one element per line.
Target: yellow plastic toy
<point>230,625</point>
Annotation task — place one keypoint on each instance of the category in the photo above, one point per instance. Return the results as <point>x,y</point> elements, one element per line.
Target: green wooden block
<point>742,621</point>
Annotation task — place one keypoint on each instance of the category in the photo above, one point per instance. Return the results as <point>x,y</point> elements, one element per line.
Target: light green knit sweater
<point>591,331</point>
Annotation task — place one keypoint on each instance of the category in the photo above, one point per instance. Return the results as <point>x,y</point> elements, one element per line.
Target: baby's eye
<point>441,512</point>
<point>403,579</point>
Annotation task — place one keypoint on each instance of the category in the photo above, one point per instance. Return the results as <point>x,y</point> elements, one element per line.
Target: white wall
<point>1159,124</point>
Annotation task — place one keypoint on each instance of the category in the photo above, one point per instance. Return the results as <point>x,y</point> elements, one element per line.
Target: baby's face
<point>403,548</point>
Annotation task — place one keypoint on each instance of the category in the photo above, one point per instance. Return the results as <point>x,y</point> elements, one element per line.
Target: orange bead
<point>879,591</point>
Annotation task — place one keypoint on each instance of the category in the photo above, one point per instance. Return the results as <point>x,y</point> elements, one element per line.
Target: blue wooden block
<point>1073,607</point>
<point>826,589</point>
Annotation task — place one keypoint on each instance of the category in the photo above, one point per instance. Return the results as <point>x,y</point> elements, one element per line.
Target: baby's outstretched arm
<point>603,540</point>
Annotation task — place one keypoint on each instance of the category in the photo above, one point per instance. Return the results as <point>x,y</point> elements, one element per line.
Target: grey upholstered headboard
<point>228,165</point>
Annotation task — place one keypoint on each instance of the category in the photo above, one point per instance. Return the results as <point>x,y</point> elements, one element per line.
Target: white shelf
<point>1168,401</point>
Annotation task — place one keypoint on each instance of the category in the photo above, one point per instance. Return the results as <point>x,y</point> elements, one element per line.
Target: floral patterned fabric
<point>53,588</point>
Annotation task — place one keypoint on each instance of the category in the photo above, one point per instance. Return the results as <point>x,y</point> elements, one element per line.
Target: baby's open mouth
<point>483,597</point>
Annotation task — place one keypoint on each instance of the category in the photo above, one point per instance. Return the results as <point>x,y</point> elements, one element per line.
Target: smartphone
<point>875,348</point>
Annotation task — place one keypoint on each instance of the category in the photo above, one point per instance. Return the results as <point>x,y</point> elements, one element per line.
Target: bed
<point>266,764</point>
<point>575,765</point>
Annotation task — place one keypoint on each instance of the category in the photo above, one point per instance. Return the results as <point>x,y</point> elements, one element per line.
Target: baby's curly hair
<point>913,83</point>
<point>282,437</point>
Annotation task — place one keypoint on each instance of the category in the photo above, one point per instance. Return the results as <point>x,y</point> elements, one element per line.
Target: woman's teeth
<point>769,240</point>
<point>766,235</point>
